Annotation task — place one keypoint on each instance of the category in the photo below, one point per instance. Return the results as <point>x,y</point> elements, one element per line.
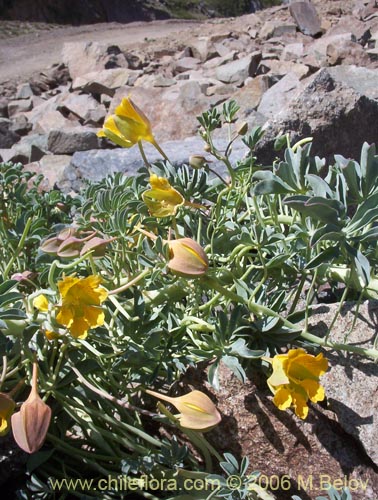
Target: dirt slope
<point>22,56</point>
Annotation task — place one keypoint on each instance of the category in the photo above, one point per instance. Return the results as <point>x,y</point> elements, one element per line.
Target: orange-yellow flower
<point>197,411</point>
<point>127,126</point>
<point>295,380</point>
<point>79,310</point>
<point>162,199</point>
<point>7,406</point>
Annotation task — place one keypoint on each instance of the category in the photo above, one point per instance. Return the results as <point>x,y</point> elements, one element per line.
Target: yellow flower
<point>41,303</point>
<point>162,199</point>
<point>127,126</point>
<point>295,380</point>
<point>7,406</point>
<point>187,258</point>
<point>81,298</point>
<point>197,411</point>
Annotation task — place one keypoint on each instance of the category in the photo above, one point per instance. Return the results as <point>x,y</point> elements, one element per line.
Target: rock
<point>219,61</point>
<point>7,137</point>
<point>293,51</point>
<point>237,71</point>
<point>274,28</point>
<point>306,17</point>
<point>278,69</point>
<point>24,91</point>
<point>19,106</point>
<point>83,106</point>
<point>203,49</point>
<point>3,108</point>
<point>372,54</point>
<point>362,80</point>
<point>30,148</point>
<point>97,164</point>
<point>249,96</point>
<point>342,52</point>
<point>172,111</point>
<point>185,64</point>
<point>51,78</point>
<point>335,101</point>
<point>53,168</point>
<point>351,384</point>
<point>51,120</point>
<point>106,81</point>
<point>67,141</point>
<point>20,125</point>
<point>86,57</point>
<point>318,48</point>
<point>275,98</point>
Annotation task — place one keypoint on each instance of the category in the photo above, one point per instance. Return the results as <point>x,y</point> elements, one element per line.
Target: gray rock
<point>68,141</point>
<point>273,28</point>
<point>203,48</point>
<point>185,64</point>
<point>275,98</point>
<point>351,383</point>
<point>362,80</point>
<point>20,125</point>
<point>306,17</point>
<point>24,91</point>
<point>19,106</point>
<point>85,57</point>
<point>335,101</point>
<point>106,81</point>
<point>8,137</point>
<point>84,106</point>
<point>239,70</point>
<point>97,164</point>
<point>3,108</point>
<point>30,148</point>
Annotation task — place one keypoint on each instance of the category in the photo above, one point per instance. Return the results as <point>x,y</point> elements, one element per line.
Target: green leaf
<point>239,347</point>
<point>329,232</point>
<point>233,364</point>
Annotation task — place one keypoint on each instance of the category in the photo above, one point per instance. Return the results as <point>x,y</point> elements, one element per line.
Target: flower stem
<point>143,155</point>
<point>131,283</point>
<point>18,249</point>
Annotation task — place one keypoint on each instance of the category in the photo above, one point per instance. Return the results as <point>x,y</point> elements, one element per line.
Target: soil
<point>22,56</point>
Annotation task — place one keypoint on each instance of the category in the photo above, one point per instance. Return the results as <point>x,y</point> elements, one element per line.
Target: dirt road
<point>22,56</point>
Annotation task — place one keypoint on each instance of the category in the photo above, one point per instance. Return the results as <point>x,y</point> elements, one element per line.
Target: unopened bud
<point>187,258</point>
<point>197,161</point>
<point>197,411</point>
<point>207,148</point>
<point>31,423</point>
<point>243,128</point>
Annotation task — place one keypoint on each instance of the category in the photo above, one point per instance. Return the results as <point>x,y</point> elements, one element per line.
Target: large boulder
<point>351,383</point>
<point>86,57</point>
<point>96,164</point>
<point>338,108</point>
<point>68,141</point>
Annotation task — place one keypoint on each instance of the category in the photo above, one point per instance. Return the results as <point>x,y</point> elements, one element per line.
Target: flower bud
<point>197,161</point>
<point>242,129</point>
<point>31,423</point>
<point>197,411</point>
<point>187,258</point>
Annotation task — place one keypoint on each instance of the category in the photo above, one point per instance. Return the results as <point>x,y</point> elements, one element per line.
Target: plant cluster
<point>108,297</point>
